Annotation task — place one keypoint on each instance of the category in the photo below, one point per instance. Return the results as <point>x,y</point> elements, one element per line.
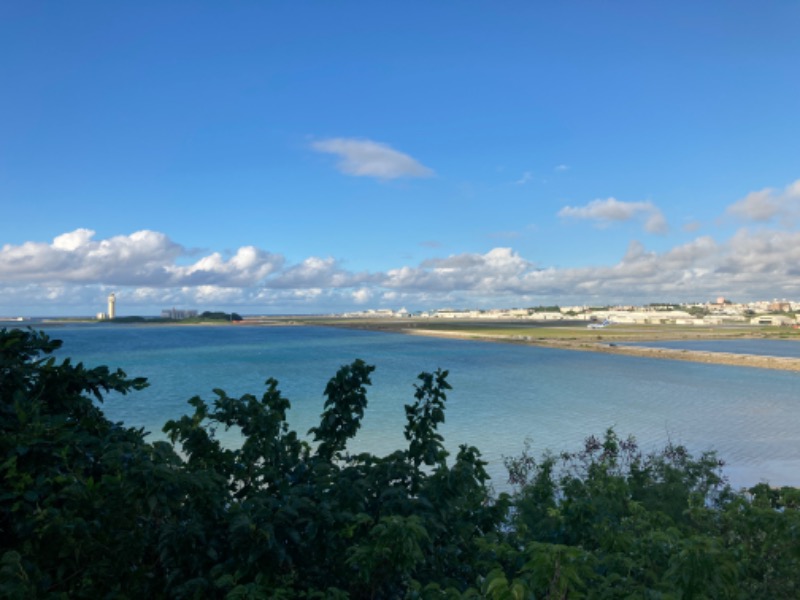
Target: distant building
<point>779,306</point>
<point>176,314</point>
<point>775,320</point>
<point>112,308</point>
<point>457,314</point>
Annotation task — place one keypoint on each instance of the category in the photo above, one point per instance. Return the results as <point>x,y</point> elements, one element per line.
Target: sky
<point>319,157</point>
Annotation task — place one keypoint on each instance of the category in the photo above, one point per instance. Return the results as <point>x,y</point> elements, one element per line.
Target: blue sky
<point>310,157</point>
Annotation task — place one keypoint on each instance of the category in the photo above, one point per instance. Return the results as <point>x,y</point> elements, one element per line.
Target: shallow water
<point>502,394</point>
<point>781,348</point>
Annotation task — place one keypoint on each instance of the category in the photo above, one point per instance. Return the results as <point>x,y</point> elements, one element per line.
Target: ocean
<point>503,394</point>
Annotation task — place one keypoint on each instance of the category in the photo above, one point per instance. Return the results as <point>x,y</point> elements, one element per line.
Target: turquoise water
<point>502,394</point>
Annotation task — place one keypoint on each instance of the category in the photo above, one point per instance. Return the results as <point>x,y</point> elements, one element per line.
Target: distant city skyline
<point>319,158</point>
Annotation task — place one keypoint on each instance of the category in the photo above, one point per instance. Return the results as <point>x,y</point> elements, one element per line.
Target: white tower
<point>112,300</point>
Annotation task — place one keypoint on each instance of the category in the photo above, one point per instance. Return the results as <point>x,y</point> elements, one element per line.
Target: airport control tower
<point>112,300</point>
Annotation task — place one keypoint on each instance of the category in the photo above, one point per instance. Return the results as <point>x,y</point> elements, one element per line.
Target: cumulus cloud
<point>751,264</point>
<point>362,296</point>
<point>496,270</point>
<point>76,257</point>
<point>656,222</point>
<point>143,258</point>
<point>247,267</point>
<point>768,204</point>
<point>64,274</point>
<point>73,239</point>
<point>365,158</point>
<point>315,272</point>
<point>764,255</point>
<point>146,268</point>
<point>608,211</point>
<point>206,295</point>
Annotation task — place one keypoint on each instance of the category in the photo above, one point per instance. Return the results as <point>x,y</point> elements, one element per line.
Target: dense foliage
<point>88,508</point>
<point>130,319</point>
<point>219,316</point>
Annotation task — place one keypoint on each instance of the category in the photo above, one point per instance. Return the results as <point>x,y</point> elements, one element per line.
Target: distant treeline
<point>219,316</point>
<point>205,316</point>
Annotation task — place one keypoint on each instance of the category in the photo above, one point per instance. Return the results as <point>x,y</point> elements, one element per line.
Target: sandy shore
<point>614,340</point>
<point>619,347</point>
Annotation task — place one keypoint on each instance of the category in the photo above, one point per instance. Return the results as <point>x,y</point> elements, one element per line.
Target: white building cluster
<point>177,314</point>
<point>775,312</point>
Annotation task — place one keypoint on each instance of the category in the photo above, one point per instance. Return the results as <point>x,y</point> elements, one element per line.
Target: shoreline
<point>619,347</point>
<point>572,337</point>
<point>612,341</point>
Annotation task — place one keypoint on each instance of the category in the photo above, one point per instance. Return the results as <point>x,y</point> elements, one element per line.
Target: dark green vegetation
<point>205,317</point>
<point>553,308</point>
<point>89,509</point>
<point>218,316</point>
<point>209,317</point>
<point>131,319</point>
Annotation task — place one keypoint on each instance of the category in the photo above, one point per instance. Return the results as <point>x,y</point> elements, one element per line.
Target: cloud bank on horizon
<point>148,269</point>
<point>328,157</point>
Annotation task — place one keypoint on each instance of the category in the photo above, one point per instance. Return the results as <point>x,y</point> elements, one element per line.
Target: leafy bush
<point>88,508</point>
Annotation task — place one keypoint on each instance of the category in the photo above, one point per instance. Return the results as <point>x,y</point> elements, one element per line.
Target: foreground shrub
<point>89,508</point>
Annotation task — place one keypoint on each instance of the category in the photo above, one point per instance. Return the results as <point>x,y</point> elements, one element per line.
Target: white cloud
<point>315,272</point>
<point>247,267</point>
<point>206,295</point>
<point>73,240</point>
<point>750,265</point>
<point>494,271</point>
<point>362,296</point>
<point>608,211</point>
<point>767,204</point>
<point>527,176</point>
<point>656,222</point>
<point>143,258</point>
<point>365,158</point>
<point>77,257</point>
<point>75,273</point>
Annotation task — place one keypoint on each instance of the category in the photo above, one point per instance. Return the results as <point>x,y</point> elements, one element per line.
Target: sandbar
<point>575,336</point>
